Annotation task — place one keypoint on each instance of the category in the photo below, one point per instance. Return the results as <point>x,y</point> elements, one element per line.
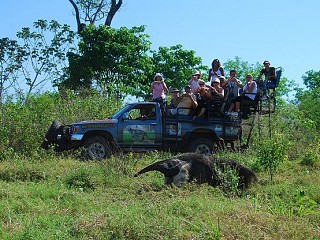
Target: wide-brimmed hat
<point>217,80</point>
<point>201,82</point>
<point>188,86</point>
<point>175,90</point>
<point>196,73</point>
<point>158,75</point>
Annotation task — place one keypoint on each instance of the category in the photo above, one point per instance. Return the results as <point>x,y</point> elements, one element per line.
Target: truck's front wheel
<point>201,145</point>
<point>96,148</point>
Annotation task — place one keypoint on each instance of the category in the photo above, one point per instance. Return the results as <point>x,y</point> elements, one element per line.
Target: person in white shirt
<point>249,93</point>
<point>216,71</point>
<point>194,82</point>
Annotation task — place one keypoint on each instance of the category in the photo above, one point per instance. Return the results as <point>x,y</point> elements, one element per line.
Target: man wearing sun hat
<point>186,102</point>
<point>175,94</point>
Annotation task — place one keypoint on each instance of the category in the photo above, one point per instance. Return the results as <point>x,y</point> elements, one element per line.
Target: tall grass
<point>102,200</point>
<point>44,195</point>
<point>23,126</point>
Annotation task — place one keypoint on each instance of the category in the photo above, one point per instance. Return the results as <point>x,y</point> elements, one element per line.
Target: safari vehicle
<point>141,127</point>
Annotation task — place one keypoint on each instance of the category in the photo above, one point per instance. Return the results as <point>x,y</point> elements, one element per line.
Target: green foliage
<point>271,152</point>
<point>309,100</point>
<point>45,52</point>
<point>80,180</point>
<point>11,59</point>
<point>242,67</point>
<point>312,79</point>
<point>229,180</point>
<point>23,126</point>
<point>308,103</point>
<point>299,131</point>
<point>176,64</point>
<point>110,59</point>
<point>311,156</point>
<point>114,205</point>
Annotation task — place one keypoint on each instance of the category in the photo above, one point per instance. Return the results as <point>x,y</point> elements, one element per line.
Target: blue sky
<point>285,32</point>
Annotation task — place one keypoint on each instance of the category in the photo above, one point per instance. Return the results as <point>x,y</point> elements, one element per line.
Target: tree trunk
<point>113,10</point>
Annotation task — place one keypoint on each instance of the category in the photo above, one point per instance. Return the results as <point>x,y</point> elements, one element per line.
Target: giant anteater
<point>199,168</point>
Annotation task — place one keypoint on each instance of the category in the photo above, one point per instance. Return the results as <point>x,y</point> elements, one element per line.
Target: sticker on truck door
<point>139,134</point>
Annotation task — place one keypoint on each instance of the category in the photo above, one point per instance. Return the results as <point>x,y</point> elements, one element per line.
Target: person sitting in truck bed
<point>216,97</point>
<point>186,102</point>
<point>175,94</point>
<point>249,94</point>
<point>203,95</point>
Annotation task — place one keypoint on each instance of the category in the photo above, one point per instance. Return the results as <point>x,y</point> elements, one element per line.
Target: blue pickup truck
<point>141,127</point>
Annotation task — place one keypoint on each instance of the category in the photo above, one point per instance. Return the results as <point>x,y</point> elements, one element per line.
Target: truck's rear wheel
<point>96,148</point>
<point>201,145</point>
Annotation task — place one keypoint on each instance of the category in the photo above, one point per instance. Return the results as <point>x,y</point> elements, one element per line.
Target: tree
<point>242,67</point>
<point>11,58</point>
<point>312,79</point>
<point>309,100</point>
<point>45,56</point>
<point>110,59</point>
<point>92,11</point>
<point>176,64</point>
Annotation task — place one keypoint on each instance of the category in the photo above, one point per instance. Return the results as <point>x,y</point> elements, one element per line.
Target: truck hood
<point>97,121</point>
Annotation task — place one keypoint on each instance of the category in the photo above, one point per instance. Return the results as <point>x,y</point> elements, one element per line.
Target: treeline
<point>113,62</point>
<point>98,67</point>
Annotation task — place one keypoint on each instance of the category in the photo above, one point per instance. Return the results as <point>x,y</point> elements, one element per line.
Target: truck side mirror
<point>125,116</point>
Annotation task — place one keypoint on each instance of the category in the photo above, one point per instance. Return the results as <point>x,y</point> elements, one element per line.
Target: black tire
<point>201,145</point>
<point>53,131</point>
<point>51,135</point>
<point>96,148</point>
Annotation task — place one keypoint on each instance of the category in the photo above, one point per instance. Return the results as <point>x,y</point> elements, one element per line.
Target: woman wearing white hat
<point>194,82</point>
<point>158,88</point>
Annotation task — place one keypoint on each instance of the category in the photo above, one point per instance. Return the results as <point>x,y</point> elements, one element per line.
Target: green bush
<point>271,152</point>
<point>80,180</point>
<point>311,156</point>
<point>24,125</point>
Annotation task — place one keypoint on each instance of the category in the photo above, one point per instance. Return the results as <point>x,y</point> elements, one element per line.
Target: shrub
<point>271,152</point>
<point>311,157</point>
<point>80,180</point>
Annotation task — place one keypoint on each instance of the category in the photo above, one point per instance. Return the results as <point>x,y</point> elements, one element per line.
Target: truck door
<point>140,126</point>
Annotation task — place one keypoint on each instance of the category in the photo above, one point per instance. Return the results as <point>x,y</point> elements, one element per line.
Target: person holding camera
<point>186,102</point>
<point>158,88</point>
<point>233,84</point>
<point>215,98</point>
<point>249,94</point>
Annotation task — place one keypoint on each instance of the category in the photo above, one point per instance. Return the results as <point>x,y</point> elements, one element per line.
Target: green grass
<point>60,197</point>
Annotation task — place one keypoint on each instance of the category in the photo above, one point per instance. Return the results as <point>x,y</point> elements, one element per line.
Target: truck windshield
<point>120,112</point>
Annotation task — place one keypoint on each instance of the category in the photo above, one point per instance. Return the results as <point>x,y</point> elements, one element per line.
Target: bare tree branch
<point>101,5</point>
<point>77,15</point>
<point>113,10</point>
